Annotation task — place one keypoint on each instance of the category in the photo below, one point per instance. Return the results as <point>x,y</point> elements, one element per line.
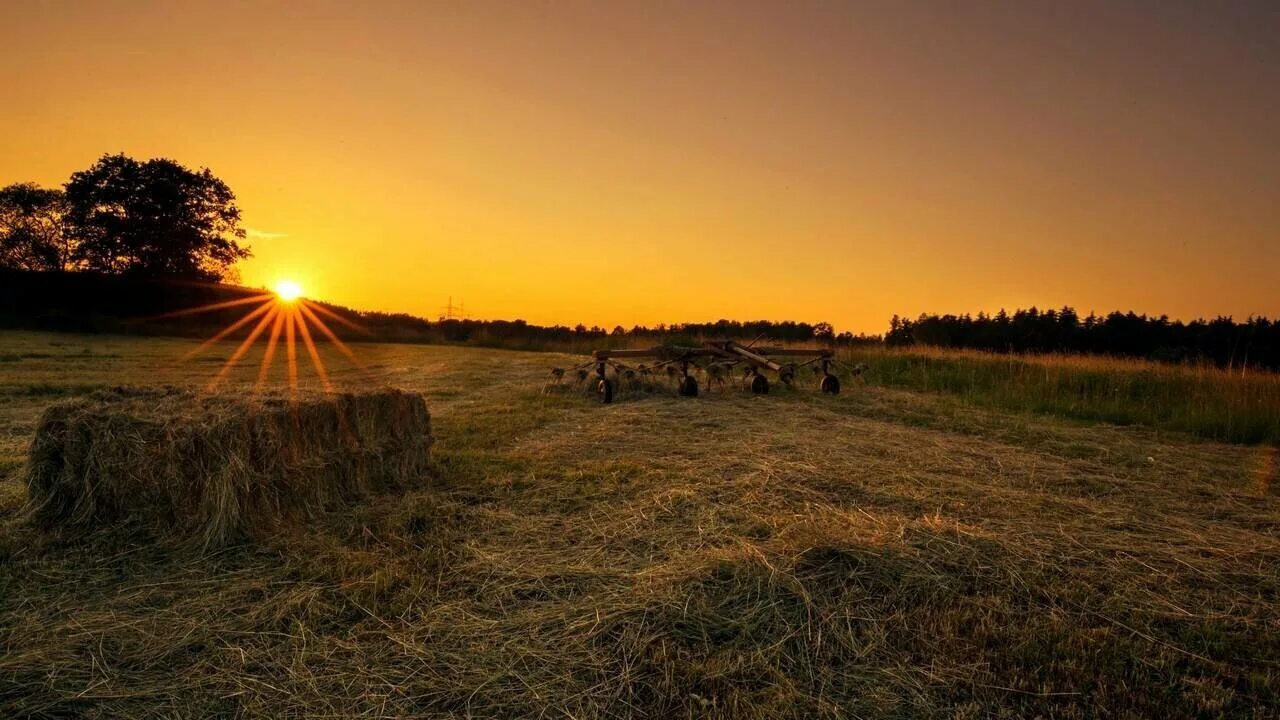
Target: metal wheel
<point>830,384</point>
<point>604,389</point>
<point>760,385</point>
<point>689,386</point>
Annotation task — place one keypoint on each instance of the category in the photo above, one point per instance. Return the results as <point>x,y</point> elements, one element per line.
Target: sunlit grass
<point>1198,399</point>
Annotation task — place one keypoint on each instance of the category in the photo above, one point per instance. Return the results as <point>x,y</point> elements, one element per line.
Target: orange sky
<point>655,162</point>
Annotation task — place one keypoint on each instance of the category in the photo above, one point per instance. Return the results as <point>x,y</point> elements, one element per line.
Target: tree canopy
<point>154,218</point>
<point>121,215</point>
<point>32,235</point>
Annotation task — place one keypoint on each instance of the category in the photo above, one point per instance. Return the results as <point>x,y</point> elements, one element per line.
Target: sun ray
<point>315,354</point>
<point>288,315</point>
<point>291,350</point>
<point>269,355</point>
<point>210,307</point>
<point>230,329</point>
<point>335,316</point>
<point>243,348</point>
<point>342,347</point>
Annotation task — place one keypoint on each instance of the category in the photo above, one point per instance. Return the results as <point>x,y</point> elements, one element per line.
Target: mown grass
<point>880,554</point>
<point>1200,400</point>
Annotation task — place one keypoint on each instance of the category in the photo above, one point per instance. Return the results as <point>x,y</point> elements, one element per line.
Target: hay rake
<point>719,360</point>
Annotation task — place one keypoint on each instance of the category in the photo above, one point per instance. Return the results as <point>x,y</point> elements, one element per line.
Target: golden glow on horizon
<point>288,290</point>
<point>643,163</point>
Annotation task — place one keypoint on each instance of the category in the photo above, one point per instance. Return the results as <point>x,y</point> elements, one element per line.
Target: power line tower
<point>453,312</point>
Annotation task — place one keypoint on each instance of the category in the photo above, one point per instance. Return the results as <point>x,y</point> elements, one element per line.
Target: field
<point>1200,400</point>
<point>910,548</point>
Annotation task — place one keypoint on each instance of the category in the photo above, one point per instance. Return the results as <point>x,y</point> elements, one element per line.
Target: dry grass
<point>209,469</point>
<point>877,554</point>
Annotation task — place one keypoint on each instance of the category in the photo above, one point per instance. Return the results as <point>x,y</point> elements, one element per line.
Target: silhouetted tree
<point>899,332</point>
<point>32,233</point>
<point>153,218</point>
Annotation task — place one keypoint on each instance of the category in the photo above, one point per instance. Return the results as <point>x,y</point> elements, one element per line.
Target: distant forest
<point>1254,343</point>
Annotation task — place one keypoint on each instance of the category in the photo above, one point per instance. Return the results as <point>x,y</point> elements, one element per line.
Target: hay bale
<point>209,469</point>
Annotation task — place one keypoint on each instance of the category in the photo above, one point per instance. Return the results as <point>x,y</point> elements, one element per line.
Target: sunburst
<point>288,290</point>
<point>280,315</point>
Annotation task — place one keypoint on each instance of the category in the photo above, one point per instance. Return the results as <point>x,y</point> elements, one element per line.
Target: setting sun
<point>288,290</point>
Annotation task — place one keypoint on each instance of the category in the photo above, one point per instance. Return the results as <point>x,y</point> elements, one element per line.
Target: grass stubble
<point>878,554</point>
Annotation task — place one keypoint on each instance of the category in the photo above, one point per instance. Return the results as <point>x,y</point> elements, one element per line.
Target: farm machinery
<point>720,361</point>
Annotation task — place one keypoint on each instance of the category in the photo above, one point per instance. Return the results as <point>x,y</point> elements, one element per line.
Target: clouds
<point>257,234</point>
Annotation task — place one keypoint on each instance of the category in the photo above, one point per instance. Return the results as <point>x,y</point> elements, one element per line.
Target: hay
<point>212,469</point>
<point>878,554</point>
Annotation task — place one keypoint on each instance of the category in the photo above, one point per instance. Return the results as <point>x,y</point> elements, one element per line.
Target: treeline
<point>1254,343</point>
<point>93,302</point>
<point>130,303</point>
<point>519,334</point>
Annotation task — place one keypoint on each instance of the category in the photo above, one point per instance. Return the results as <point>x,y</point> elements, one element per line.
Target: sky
<point>645,162</point>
